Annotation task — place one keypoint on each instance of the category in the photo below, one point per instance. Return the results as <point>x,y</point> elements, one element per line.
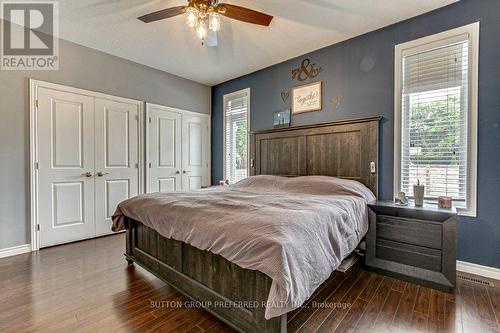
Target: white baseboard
<point>485,271</point>
<point>462,266</point>
<point>15,250</point>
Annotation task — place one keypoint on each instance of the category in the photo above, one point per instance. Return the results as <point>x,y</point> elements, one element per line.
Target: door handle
<point>87,174</point>
<point>100,174</point>
<point>186,171</point>
<point>177,172</point>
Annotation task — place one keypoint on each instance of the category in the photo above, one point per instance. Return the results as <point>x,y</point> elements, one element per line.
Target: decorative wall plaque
<point>336,102</point>
<point>307,98</point>
<point>282,118</point>
<point>306,71</point>
<point>285,95</point>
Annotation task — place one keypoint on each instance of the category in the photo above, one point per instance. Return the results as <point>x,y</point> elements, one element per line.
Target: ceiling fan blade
<point>163,14</point>
<point>244,14</point>
<point>211,40</point>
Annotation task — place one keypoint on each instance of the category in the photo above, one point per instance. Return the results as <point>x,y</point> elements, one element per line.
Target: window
<point>236,115</point>
<point>436,116</point>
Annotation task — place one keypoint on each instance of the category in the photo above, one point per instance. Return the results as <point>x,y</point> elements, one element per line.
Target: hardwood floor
<point>88,287</point>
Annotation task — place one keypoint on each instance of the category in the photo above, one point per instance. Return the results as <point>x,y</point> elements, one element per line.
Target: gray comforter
<point>295,230</point>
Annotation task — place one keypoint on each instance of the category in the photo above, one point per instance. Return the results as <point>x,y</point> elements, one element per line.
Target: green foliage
<point>435,131</point>
<point>241,145</point>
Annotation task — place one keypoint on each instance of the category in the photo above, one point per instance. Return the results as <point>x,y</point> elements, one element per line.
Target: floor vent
<point>475,280</point>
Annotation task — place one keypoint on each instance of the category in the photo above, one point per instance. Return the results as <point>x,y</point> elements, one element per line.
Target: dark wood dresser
<point>417,244</point>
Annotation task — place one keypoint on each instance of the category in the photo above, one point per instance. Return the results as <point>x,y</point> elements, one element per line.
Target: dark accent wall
<point>361,72</point>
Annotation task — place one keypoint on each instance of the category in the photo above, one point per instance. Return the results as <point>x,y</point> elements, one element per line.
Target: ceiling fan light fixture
<point>201,30</point>
<point>204,17</point>
<point>192,17</point>
<point>214,21</point>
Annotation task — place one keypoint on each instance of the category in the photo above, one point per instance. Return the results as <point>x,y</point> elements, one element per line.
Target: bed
<point>250,273</point>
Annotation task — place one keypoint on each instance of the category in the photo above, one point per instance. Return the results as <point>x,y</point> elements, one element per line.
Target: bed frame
<point>345,149</point>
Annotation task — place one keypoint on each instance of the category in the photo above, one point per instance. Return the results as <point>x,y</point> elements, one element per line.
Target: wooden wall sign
<point>307,98</point>
<point>336,102</point>
<point>285,95</point>
<point>306,71</point>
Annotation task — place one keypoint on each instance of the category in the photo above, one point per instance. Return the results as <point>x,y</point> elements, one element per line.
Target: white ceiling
<point>299,26</point>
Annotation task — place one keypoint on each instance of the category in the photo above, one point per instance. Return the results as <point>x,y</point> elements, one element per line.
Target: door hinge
<point>36,165</point>
<point>137,165</point>
<point>150,165</point>
<point>150,120</point>
<point>137,117</point>
<point>37,227</point>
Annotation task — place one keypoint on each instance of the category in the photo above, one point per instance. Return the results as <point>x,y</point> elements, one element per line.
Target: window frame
<point>471,32</point>
<point>225,98</point>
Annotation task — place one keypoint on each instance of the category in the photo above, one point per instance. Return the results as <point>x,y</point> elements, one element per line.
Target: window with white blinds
<point>435,111</point>
<point>236,111</point>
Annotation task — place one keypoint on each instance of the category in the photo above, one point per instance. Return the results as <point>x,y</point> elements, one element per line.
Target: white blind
<point>236,137</point>
<point>434,121</point>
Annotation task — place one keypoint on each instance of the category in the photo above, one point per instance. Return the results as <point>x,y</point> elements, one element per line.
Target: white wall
<point>79,67</point>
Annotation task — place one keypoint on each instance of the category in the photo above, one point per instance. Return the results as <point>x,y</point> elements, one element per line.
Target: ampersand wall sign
<point>306,71</point>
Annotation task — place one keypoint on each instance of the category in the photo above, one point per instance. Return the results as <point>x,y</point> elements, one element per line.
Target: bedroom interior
<point>250,166</point>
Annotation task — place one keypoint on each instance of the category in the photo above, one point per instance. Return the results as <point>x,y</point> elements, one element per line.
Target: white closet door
<point>164,149</point>
<point>65,166</point>
<point>195,152</point>
<point>116,158</point>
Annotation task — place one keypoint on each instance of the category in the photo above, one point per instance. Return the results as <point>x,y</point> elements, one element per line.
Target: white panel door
<point>195,152</point>
<point>65,166</point>
<point>116,158</point>
<point>164,149</point>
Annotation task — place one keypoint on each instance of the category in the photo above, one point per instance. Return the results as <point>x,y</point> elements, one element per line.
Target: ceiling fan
<point>204,16</point>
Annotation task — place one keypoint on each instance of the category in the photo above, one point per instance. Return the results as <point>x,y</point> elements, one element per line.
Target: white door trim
<point>147,158</point>
<point>33,87</point>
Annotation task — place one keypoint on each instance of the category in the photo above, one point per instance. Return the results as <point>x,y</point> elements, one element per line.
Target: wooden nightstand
<point>417,244</point>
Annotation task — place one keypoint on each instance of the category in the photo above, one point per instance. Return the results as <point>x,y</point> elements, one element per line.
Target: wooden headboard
<point>344,149</point>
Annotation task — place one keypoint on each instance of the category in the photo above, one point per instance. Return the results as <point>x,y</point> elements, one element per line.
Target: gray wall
<point>361,71</point>
<point>79,67</point>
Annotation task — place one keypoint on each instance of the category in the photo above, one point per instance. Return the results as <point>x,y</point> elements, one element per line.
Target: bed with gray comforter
<point>297,230</point>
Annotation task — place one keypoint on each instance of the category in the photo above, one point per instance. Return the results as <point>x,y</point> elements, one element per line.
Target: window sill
<point>461,211</point>
<point>467,212</point>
